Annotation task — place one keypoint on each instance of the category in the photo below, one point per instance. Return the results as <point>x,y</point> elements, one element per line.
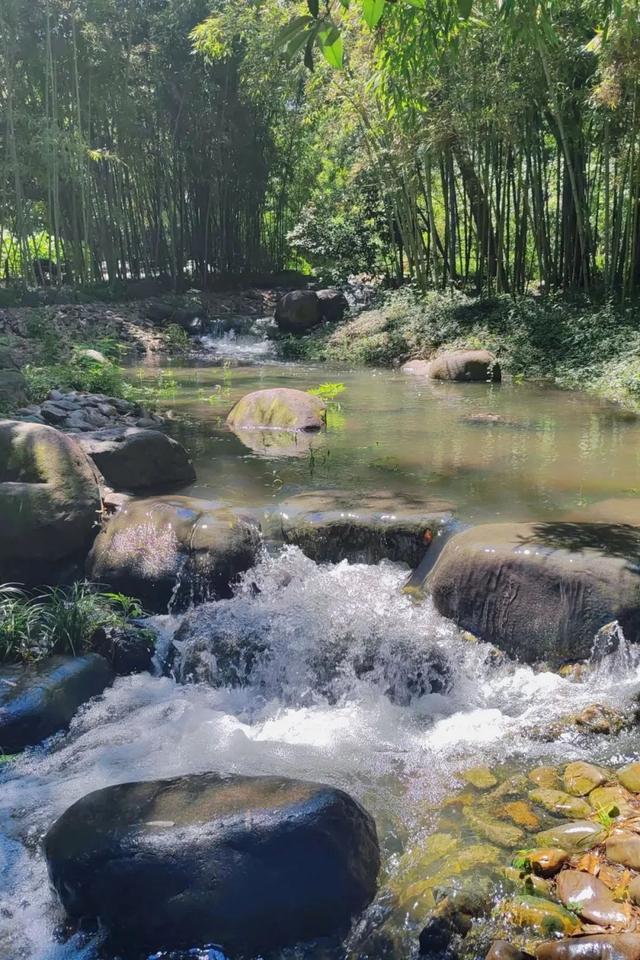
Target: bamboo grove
<point>127,153</point>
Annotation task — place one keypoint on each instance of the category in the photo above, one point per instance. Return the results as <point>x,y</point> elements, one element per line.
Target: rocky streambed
<point>287,749</point>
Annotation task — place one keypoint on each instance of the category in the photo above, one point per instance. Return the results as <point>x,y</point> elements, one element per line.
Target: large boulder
<point>130,458</point>
<point>541,591</point>
<point>298,311</point>
<point>249,863</point>
<point>333,304</point>
<point>170,551</point>
<point>38,700</point>
<point>335,525</point>
<point>280,408</point>
<point>459,365</point>
<point>49,500</point>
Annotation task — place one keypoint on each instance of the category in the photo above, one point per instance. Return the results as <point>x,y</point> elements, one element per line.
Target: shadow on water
<point>613,540</point>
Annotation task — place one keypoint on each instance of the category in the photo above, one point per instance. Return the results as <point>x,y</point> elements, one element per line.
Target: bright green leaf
<point>332,46</point>
<point>372,11</point>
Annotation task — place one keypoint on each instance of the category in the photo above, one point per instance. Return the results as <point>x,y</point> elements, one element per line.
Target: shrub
<point>62,620</point>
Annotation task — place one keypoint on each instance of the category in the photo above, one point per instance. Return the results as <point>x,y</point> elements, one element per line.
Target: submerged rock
<point>251,864</point>
<point>130,458</point>
<point>39,700</point>
<point>334,525</point>
<point>573,837</point>
<point>540,592</point>
<point>563,804</point>
<point>298,311</point>
<point>172,551</point>
<point>49,501</point>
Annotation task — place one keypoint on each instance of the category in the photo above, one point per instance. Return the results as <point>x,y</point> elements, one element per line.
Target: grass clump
<point>57,620</point>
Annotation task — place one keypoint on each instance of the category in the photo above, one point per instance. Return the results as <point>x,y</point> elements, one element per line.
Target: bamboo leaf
<point>314,8</point>
<point>372,10</point>
<point>292,28</point>
<point>332,46</point>
<point>464,8</point>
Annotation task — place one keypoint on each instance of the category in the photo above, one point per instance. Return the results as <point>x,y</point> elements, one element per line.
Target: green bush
<point>57,620</point>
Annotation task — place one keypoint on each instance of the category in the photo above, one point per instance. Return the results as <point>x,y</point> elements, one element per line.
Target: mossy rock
<point>480,777</point>
<point>544,916</point>
<point>574,836</point>
<point>495,831</point>
<point>615,801</point>
<point>560,803</point>
<point>278,409</point>
<point>629,777</point>
<point>546,777</point>
<point>580,778</point>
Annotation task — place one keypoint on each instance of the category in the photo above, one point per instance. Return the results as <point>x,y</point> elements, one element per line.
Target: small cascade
<point>243,339</point>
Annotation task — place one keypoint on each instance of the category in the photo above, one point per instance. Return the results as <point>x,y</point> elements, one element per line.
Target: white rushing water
<point>339,692</point>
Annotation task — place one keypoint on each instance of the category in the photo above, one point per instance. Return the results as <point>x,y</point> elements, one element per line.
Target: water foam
<point>370,731</point>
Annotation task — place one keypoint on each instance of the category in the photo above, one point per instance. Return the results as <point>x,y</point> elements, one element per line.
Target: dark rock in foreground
<point>541,592</point>
<point>49,501</point>
<point>130,458</point>
<point>335,525</point>
<point>38,700</point>
<point>251,864</point>
<point>173,550</point>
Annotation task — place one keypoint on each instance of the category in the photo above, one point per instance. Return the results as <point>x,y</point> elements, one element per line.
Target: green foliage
<point>34,625</point>
<point>176,339</point>
<point>327,391</point>
<point>78,374</point>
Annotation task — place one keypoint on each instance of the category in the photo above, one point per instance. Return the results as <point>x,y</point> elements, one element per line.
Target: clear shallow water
<point>340,694</point>
<point>557,451</point>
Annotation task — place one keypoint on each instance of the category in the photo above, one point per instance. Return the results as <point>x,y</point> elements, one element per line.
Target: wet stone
<point>546,777</point>
<point>495,831</point>
<point>543,916</point>
<point>580,778</point>
<point>521,814</point>
<point>480,777</point>
<point>618,946</point>
<point>612,799</point>
<point>624,847</point>
<point>501,950</point>
<point>588,896</point>
<point>563,804</point>
<point>629,777</point>
<point>573,836</point>
<point>634,891</point>
<point>546,861</point>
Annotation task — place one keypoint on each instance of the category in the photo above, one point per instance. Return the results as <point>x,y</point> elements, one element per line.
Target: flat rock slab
<point>131,458</point>
<point>39,700</point>
<point>334,525</point>
<point>540,591</point>
<point>172,551</point>
<point>249,863</point>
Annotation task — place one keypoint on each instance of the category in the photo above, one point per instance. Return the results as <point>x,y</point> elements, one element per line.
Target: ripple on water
<point>331,699</point>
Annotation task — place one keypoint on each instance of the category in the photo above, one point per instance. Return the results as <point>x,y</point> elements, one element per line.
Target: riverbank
<point>572,345</point>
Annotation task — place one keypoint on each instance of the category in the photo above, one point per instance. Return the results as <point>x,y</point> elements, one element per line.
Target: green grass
<point>57,620</point>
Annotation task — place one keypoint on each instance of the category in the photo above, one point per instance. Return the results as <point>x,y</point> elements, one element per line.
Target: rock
<point>298,311</point>
<point>53,413</point>
<point>614,800</point>
<point>49,501</point>
<point>128,649</point>
<point>587,896</point>
<point>480,777</point>
<point>280,408</point>
<point>13,388</point>
<point>416,368</point>
<point>438,939</point>
<point>173,550</point>
<point>495,831</point>
<point>250,863</point>
<point>606,946</point>
<point>543,915</point>
<point>488,419</point>
<point>330,526</point>
<point>521,814</point>
<point>540,592</point>
<point>581,778</point>
<point>623,847</point>
<point>634,891</point>
<point>39,700</point>
<point>573,837</point>
<point>93,356</point>
<point>501,950</point>
<point>562,804</point>
<point>629,777</point>
<point>159,312</point>
<point>133,459</point>
<point>546,861</point>
<point>333,305</point>
<point>77,421</point>
<point>466,365</point>
<point>544,777</point>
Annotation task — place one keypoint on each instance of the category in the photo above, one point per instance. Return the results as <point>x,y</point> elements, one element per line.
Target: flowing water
<point>362,687</point>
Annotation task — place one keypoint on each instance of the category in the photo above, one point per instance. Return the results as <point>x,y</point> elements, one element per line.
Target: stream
<point>397,750</point>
